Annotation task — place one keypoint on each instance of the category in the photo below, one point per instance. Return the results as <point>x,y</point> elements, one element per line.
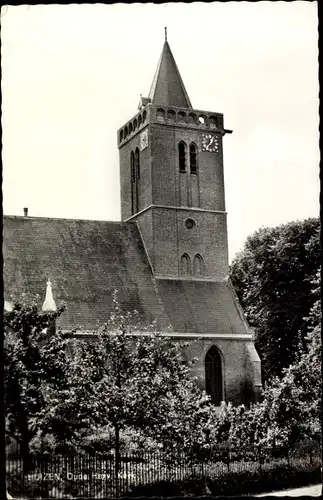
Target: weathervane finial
<point>165,33</point>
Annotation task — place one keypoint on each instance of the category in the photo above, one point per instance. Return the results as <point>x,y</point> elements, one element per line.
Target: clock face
<point>210,142</point>
<point>144,139</point>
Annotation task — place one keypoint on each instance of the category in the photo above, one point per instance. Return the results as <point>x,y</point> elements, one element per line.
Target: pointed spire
<point>49,303</point>
<point>168,88</point>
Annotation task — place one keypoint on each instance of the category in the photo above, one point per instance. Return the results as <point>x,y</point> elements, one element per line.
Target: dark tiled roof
<point>168,88</point>
<point>200,306</point>
<point>86,261</point>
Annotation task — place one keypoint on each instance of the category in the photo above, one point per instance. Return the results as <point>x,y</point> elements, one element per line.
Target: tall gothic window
<point>198,265</point>
<point>193,159</point>
<point>137,163</point>
<point>213,375</point>
<point>132,167</point>
<point>182,156</point>
<point>133,183</point>
<point>185,265</point>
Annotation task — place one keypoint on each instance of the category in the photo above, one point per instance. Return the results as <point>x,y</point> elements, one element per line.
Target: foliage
<point>244,482</point>
<point>34,361</point>
<point>128,389</point>
<point>290,409</point>
<point>137,386</point>
<point>273,276</point>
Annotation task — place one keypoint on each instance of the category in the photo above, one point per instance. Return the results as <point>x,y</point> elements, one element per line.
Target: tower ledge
<point>173,116</point>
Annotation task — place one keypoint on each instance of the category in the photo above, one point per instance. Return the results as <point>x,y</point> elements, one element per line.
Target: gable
<point>85,261</point>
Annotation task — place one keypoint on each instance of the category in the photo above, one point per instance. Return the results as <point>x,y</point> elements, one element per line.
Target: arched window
<point>213,121</point>
<point>132,167</point>
<point>160,114</point>
<point>171,114</point>
<point>133,182</point>
<point>144,116</point>
<point>193,159</point>
<point>191,118</point>
<point>198,265</point>
<point>185,265</point>
<point>181,117</point>
<point>137,163</point>
<point>139,120</point>
<point>182,156</point>
<point>130,128</point>
<point>121,135</point>
<point>213,375</point>
<point>125,132</point>
<point>135,124</point>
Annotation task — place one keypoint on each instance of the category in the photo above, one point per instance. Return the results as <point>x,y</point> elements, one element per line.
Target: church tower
<point>169,255</point>
<point>171,168</point>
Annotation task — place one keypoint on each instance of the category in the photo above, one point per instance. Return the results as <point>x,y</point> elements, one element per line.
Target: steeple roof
<point>168,88</point>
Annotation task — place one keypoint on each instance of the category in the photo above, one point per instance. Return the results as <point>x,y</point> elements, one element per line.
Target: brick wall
<point>233,365</point>
<point>166,238</point>
<point>145,181</point>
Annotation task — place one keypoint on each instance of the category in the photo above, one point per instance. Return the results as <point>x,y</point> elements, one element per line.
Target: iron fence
<point>84,475</point>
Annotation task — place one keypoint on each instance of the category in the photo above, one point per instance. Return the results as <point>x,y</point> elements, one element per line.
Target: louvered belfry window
<point>193,159</point>
<point>213,375</point>
<point>182,156</point>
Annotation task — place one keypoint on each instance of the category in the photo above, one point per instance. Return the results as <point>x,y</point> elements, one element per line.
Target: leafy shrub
<point>231,484</point>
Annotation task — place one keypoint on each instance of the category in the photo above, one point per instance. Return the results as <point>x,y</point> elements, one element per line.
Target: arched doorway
<point>213,375</point>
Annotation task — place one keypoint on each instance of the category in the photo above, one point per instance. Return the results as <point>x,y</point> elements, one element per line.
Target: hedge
<point>231,484</point>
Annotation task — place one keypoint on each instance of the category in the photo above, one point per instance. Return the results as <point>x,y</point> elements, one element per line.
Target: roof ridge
<point>23,217</point>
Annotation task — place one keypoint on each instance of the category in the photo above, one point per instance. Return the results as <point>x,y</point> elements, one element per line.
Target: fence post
<point>311,456</point>
<point>117,452</point>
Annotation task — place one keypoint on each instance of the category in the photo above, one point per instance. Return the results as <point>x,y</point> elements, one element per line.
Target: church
<point>168,257</point>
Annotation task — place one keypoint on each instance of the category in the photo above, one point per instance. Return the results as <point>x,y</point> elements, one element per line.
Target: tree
<point>130,378</point>
<point>125,379</point>
<point>272,276</point>
<point>35,360</point>
<point>290,409</point>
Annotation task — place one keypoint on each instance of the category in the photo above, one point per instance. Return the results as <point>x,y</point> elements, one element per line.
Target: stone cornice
<point>178,335</point>
<point>217,279</point>
<point>171,207</point>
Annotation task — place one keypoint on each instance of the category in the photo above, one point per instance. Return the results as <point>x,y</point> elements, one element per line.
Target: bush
<point>231,484</point>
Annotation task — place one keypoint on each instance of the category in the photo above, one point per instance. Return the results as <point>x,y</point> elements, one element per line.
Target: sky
<point>73,74</point>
